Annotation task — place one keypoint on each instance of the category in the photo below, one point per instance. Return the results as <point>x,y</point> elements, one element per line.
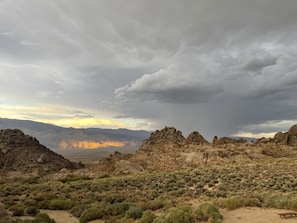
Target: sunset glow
<point>90,144</point>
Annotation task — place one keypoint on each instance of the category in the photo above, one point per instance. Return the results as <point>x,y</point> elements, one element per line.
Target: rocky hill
<point>168,149</point>
<point>22,153</point>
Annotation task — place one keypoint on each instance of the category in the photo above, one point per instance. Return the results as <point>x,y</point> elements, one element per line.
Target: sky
<point>220,67</point>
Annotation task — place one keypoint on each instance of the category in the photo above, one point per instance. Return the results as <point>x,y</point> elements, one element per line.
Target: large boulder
<point>281,138</point>
<point>292,138</point>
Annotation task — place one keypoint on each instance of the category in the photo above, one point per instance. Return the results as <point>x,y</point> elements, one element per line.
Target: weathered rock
<point>281,138</point>
<point>292,138</point>
<point>227,140</point>
<point>196,138</point>
<point>166,135</point>
<point>167,150</point>
<point>23,153</point>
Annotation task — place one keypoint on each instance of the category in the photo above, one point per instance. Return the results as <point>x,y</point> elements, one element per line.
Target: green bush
<point>281,201</point>
<point>43,218</point>
<point>117,209</point>
<point>17,209</point>
<point>176,215</point>
<point>134,212</point>
<point>147,217</point>
<point>60,204</point>
<point>151,205</point>
<point>32,210</point>
<point>91,214</point>
<point>208,212</point>
<point>77,210</point>
<point>43,204</point>
<point>104,176</point>
<point>74,178</point>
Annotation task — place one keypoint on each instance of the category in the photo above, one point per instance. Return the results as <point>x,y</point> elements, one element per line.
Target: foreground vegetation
<point>184,196</point>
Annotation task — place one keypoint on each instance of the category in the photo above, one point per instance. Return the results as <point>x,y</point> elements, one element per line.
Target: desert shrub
<point>113,200</point>
<point>30,202</point>
<point>117,209</point>
<point>43,204</point>
<point>208,212</point>
<point>32,210</point>
<point>134,212</point>
<point>74,178</point>
<point>43,218</point>
<point>60,204</point>
<point>77,210</point>
<point>17,209</point>
<point>232,203</point>
<point>32,180</point>
<point>91,214</point>
<point>281,201</point>
<point>147,217</point>
<point>176,215</point>
<point>252,201</point>
<point>2,181</point>
<point>105,175</point>
<point>151,205</point>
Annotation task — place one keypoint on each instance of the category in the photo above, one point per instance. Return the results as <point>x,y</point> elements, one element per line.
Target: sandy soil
<point>255,215</point>
<point>241,215</point>
<point>61,216</point>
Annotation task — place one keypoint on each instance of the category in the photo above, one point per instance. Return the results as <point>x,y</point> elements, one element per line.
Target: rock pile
<point>23,153</point>
<point>168,149</point>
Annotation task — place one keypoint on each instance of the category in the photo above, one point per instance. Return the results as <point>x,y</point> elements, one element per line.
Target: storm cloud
<point>219,67</point>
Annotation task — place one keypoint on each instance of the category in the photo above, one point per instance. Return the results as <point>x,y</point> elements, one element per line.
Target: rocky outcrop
<point>281,138</point>
<point>196,138</point>
<point>286,138</point>
<point>227,140</point>
<point>23,153</point>
<point>168,149</point>
<point>166,135</point>
<point>292,138</point>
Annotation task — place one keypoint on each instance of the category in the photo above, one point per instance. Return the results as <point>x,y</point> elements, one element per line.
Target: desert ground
<point>240,215</point>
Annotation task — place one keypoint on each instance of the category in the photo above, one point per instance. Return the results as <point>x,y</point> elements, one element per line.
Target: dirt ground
<point>255,215</point>
<point>61,216</point>
<point>240,215</point>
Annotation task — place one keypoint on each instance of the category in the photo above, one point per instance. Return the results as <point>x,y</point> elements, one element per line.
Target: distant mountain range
<point>70,140</point>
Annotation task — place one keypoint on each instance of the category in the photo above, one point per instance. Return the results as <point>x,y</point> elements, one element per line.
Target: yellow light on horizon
<point>84,144</point>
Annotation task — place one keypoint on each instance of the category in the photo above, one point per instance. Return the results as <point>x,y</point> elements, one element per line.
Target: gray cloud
<point>213,66</point>
<point>256,65</point>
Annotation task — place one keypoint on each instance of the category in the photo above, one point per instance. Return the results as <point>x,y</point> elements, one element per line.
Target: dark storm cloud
<point>206,65</point>
<point>256,65</point>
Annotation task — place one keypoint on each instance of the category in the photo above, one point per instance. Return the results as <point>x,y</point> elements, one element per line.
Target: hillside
<point>73,143</point>
<point>168,150</point>
<point>24,155</point>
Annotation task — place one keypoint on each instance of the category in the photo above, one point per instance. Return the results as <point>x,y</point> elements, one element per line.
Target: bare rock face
<point>196,138</point>
<point>227,140</point>
<point>23,153</point>
<point>168,135</point>
<point>281,138</point>
<point>292,138</point>
<point>168,150</point>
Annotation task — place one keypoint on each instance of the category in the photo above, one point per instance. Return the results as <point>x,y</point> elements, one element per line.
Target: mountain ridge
<point>52,135</point>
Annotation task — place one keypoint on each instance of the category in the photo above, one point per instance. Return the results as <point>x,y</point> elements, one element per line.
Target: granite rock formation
<point>24,154</point>
<point>168,149</point>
